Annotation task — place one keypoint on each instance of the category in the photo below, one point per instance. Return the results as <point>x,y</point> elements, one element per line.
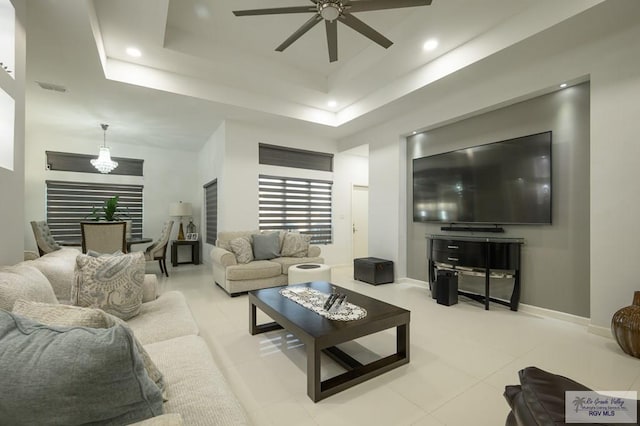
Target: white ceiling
<point>201,65</point>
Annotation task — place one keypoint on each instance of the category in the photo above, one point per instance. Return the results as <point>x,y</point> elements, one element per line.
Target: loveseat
<point>239,265</point>
<point>195,391</point>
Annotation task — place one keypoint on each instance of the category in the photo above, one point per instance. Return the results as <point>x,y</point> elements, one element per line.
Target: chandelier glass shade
<point>104,163</point>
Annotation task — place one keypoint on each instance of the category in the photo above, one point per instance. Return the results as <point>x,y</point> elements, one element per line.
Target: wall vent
<point>51,86</point>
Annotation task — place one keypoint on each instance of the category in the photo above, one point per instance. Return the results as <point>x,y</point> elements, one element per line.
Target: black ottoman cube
<point>373,270</point>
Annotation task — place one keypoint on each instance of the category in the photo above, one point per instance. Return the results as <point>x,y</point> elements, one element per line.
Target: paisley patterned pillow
<point>241,247</point>
<point>295,245</point>
<point>111,283</point>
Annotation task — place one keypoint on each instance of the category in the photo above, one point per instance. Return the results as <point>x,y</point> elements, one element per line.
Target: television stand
<point>480,256</point>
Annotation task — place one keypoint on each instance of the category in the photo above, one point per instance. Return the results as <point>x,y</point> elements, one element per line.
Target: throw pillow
<point>65,315</point>
<point>23,281</point>
<point>241,247</point>
<point>75,375</point>
<point>111,283</point>
<point>266,246</point>
<point>295,245</point>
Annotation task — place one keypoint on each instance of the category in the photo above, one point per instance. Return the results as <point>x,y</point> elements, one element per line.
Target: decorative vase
<point>625,326</point>
<point>191,227</point>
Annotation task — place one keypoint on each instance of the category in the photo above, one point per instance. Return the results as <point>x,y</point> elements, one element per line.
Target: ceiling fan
<point>332,11</point>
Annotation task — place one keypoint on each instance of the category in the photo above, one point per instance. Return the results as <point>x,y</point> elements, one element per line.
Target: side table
<point>195,251</point>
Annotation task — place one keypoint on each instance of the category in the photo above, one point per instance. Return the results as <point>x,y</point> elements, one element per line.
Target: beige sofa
<point>236,278</point>
<point>196,391</point>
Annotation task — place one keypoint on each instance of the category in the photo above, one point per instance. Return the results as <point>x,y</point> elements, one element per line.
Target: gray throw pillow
<point>23,281</point>
<point>75,375</point>
<point>111,283</point>
<point>266,246</point>
<point>241,247</point>
<point>295,245</point>
<point>66,316</point>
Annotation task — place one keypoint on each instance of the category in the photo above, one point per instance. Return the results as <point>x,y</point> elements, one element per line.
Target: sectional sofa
<point>196,392</point>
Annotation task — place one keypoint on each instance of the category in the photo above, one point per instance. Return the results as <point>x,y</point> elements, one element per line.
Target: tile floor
<point>461,358</point>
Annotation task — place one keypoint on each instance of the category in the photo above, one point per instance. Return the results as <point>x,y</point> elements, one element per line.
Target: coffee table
<point>321,335</point>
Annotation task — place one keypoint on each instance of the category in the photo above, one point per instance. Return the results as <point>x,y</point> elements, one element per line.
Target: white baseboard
<point>600,331</point>
<point>536,310</point>
<point>412,281</point>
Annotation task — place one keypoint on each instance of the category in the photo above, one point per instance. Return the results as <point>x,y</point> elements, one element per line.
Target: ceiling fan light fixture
<point>330,10</point>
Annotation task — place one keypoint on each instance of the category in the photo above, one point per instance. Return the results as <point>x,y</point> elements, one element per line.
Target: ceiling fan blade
<point>365,5</point>
<point>364,29</point>
<point>332,39</point>
<point>300,31</point>
<point>276,11</point>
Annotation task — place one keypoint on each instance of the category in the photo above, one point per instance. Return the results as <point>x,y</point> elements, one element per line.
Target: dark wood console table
<point>478,256</point>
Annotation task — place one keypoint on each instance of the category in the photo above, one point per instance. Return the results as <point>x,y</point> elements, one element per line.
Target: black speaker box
<point>447,288</point>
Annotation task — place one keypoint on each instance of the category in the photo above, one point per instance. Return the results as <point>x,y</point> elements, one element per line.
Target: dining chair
<point>44,239</point>
<point>104,237</point>
<point>158,250</point>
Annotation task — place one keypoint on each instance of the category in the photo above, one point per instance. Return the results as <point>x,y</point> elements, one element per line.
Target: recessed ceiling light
<point>332,104</point>
<point>134,52</point>
<point>430,44</point>
<point>563,85</point>
<point>414,132</point>
<point>202,11</point>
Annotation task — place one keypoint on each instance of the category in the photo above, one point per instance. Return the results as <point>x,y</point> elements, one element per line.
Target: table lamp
<point>180,210</point>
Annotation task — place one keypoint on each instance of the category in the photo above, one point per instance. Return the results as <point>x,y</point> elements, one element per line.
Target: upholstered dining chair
<point>44,239</point>
<point>104,237</point>
<point>158,249</point>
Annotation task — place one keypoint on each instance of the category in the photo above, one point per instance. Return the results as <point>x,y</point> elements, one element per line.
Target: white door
<point>360,220</point>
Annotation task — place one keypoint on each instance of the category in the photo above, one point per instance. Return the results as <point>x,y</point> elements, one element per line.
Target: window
<point>211,211</point>
<point>294,204</point>
<point>69,203</point>
<point>274,155</point>
<point>69,162</point>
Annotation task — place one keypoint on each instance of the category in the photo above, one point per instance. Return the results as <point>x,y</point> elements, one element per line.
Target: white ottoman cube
<point>307,272</point>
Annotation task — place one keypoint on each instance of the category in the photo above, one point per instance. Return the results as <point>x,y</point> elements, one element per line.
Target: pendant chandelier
<point>104,163</point>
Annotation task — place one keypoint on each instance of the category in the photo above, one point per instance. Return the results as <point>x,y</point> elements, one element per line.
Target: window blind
<point>70,162</point>
<point>291,157</point>
<point>211,211</point>
<point>69,203</point>
<point>294,204</point>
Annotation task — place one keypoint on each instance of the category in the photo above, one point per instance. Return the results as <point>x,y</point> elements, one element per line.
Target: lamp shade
<point>180,209</point>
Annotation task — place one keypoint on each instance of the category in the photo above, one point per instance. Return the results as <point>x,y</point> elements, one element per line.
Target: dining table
<point>130,241</point>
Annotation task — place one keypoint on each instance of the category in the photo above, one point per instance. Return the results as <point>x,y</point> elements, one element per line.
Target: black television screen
<point>506,182</point>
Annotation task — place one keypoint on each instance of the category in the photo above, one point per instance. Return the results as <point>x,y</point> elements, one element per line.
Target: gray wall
<point>555,258</point>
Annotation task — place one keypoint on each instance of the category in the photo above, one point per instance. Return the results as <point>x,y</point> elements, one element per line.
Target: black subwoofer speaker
<point>447,288</point>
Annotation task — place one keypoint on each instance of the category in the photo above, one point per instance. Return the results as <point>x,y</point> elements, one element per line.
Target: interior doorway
<point>360,220</point>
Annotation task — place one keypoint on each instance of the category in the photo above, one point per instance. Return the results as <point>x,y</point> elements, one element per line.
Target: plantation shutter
<point>294,204</point>
<point>69,203</point>
<point>211,211</point>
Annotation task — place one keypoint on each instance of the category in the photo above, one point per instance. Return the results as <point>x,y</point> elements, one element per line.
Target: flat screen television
<point>507,182</point>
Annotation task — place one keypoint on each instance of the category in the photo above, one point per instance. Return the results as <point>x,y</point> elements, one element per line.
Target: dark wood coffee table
<point>320,334</point>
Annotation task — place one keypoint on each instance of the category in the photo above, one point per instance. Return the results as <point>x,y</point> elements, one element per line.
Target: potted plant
<point>109,211</point>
